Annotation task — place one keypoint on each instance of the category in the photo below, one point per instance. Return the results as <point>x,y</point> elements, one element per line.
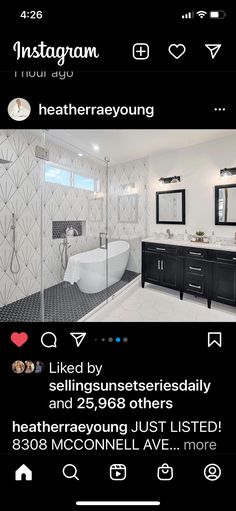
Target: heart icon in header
<point>177,50</point>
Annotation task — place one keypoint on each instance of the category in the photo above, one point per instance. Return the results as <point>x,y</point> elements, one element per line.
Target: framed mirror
<point>170,207</point>
<point>225,205</point>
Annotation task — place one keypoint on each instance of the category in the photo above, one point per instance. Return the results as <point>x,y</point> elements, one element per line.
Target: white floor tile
<point>161,305</point>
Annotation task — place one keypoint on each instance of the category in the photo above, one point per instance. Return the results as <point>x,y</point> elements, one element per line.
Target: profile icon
<point>18,367</point>
<point>212,472</point>
<point>39,367</point>
<point>19,109</point>
<point>29,367</point>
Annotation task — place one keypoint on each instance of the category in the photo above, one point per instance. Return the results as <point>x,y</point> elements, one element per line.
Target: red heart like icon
<point>19,339</point>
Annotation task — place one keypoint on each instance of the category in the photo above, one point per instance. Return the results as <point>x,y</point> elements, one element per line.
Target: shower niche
<point>68,228</point>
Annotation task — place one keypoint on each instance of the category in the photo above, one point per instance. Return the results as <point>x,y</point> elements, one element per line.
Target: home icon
<point>23,473</point>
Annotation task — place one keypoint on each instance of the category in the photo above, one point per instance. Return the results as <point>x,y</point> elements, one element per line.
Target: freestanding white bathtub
<point>89,269</point>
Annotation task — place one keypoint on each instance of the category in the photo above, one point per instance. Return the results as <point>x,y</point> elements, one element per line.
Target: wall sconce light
<point>228,172</point>
<point>169,180</point>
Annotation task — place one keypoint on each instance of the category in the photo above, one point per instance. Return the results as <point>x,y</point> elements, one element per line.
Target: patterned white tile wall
<point>20,193</point>
<point>21,185</point>
<point>120,176</point>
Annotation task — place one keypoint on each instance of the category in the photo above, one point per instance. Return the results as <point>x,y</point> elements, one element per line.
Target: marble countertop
<point>230,247</point>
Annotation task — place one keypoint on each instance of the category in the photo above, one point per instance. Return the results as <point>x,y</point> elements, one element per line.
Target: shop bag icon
<point>165,472</point>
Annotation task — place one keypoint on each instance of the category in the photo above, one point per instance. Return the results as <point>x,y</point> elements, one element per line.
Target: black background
<point>152,352</point>
<point>184,94</point>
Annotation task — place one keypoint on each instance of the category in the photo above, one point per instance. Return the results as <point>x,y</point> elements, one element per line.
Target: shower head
<point>4,162</point>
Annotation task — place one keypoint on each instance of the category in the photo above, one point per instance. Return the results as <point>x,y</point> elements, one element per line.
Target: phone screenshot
<point>117,257</point>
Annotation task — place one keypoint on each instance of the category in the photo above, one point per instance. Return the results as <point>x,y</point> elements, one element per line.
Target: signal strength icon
<point>201,14</point>
<point>188,15</point>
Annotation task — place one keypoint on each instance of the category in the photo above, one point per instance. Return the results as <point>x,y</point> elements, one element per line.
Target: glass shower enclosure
<point>71,226</point>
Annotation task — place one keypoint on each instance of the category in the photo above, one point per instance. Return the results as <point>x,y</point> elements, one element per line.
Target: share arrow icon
<point>213,48</point>
<point>79,337</point>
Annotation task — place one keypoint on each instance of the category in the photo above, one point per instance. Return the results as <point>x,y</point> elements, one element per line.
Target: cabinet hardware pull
<point>162,265</point>
<point>195,268</point>
<point>163,249</point>
<point>222,259</point>
<point>158,265</point>
<point>195,253</point>
<point>234,258</point>
<point>196,287</point>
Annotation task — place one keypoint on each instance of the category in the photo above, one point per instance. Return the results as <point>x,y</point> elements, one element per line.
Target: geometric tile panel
<point>120,176</point>
<point>22,191</point>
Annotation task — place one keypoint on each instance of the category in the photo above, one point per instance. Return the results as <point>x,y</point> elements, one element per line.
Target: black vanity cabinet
<point>194,271</point>
<point>222,277</point>
<point>160,265</point>
<point>210,274</point>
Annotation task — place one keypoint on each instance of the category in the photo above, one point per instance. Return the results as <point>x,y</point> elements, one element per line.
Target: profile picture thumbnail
<point>19,109</point>
<point>18,367</point>
<point>29,367</point>
<point>39,367</point>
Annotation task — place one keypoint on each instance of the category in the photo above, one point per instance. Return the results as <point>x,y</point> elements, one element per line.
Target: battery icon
<point>220,15</point>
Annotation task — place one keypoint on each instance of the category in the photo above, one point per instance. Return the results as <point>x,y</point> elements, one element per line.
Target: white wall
<point>199,167</point>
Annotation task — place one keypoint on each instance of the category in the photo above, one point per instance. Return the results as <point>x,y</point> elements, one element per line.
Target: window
<point>65,177</point>
<point>57,175</point>
<point>85,183</point>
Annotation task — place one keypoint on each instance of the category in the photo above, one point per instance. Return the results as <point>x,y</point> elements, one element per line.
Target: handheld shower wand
<point>14,256</point>
<point>63,249</point>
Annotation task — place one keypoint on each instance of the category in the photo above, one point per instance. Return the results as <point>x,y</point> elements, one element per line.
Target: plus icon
<point>140,51</point>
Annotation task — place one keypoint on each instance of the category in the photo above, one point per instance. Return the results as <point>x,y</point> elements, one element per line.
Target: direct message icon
<point>215,338</point>
<point>79,337</point>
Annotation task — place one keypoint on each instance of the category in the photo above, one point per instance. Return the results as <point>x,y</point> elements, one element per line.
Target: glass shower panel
<point>74,230</point>
<point>20,225</point>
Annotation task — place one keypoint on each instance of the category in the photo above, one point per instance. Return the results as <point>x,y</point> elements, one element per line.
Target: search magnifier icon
<point>70,471</point>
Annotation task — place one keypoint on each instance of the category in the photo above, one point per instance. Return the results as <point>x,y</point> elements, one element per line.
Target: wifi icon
<point>201,14</point>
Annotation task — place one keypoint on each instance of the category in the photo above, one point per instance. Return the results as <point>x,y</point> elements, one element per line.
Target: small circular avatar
<point>39,367</point>
<point>29,367</point>
<point>18,367</point>
<point>19,109</point>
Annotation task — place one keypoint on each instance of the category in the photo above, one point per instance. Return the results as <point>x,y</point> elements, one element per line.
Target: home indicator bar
<point>117,503</point>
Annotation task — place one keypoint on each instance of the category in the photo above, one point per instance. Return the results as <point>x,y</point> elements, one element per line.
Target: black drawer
<point>194,266</point>
<point>194,284</point>
<point>160,248</point>
<point>222,257</point>
<point>194,252</point>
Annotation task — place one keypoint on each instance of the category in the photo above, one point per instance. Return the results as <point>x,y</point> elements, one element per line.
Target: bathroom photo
<point>117,225</point>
